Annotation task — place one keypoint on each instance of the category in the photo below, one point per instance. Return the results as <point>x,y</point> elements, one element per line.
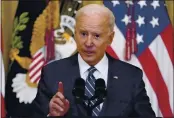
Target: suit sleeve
<point>43,97</point>
<point>142,104</point>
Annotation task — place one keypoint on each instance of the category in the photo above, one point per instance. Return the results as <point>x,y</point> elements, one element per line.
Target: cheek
<point>101,45</point>
<point>101,48</point>
<point>79,43</point>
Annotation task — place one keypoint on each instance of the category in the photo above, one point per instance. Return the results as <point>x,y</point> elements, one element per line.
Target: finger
<point>53,113</point>
<point>60,95</point>
<point>60,87</point>
<point>56,107</point>
<point>59,102</point>
<point>67,104</point>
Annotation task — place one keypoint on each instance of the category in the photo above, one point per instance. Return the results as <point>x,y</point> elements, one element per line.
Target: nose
<point>88,41</point>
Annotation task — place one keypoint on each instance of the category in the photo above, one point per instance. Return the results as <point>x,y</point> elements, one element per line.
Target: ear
<point>111,37</point>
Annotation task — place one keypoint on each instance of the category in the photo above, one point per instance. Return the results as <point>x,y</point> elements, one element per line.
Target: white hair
<point>97,9</point>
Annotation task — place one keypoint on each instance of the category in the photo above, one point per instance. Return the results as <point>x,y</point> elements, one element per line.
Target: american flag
<point>2,86</point>
<point>2,79</point>
<point>36,66</point>
<point>154,48</point>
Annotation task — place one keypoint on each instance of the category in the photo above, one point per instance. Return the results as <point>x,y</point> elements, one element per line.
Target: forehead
<point>95,22</point>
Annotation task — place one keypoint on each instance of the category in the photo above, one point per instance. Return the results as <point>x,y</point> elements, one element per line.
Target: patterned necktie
<point>90,89</point>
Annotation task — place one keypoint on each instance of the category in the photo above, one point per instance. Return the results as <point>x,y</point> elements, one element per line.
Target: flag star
<point>154,22</point>
<point>155,4</point>
<point>126,19</point>
<point>139,38</point>
<point>142,3</point>
<point>115,2</point>
<point>140,21</point>
<point>129,2</point>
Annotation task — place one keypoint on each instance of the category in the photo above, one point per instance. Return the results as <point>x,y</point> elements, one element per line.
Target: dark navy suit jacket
<point>126,95</point>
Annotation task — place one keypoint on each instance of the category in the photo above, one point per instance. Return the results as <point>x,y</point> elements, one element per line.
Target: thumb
<point>60,87</point>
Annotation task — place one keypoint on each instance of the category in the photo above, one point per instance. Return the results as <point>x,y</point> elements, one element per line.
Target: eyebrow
<point>93,32</point>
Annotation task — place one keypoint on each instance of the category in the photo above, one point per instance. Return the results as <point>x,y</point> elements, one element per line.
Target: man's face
<point>92,35</point>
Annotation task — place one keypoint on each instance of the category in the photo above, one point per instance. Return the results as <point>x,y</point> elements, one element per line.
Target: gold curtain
<point>92,2</point>
<point>7,14</point>
<point>170,8</point>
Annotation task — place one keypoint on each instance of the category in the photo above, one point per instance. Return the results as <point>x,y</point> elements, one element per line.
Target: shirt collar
<point>100,66</point>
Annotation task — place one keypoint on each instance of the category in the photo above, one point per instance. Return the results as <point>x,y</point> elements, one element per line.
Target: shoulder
<point>125,69</point>
<point>58,70</point>
<point>122,65</point>
<point>66,62</point>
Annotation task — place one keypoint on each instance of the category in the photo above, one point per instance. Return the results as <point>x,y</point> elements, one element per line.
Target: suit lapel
<point>111,99</point>
<point>75,73</point>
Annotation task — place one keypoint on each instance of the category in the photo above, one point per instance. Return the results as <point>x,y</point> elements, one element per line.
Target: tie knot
<point>91,70</point>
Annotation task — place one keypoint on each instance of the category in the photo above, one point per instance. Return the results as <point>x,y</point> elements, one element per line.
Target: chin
<point>88,59</point>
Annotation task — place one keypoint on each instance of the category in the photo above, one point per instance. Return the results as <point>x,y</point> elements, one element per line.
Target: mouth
<point>89,53</point>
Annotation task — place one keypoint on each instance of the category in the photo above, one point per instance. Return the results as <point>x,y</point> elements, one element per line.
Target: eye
<point>97,36</point>
<point>83,34</point>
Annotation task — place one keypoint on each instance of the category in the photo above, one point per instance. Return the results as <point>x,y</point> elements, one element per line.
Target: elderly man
<point>126,95</point>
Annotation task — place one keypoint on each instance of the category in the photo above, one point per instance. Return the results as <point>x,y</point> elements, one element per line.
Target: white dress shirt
<point>101,72</point>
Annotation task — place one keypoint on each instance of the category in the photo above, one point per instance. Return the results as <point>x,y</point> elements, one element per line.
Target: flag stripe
<point>36,75</point>
<point>117,46</point>
<point>38,54</point>
<point>42,60</point>
<point>36,66</point>
<point>2,107</point>
<point>118,43</point>
<point>156,81</point>
<point>2,79</point>
<point>2,75</point>
<point>35,69</point>
<point>36,80</point>
<point>167,37</point>
<point>165,65</point>
<point>35,61</point>
<point>110,51</point>
<point>39,65</point>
